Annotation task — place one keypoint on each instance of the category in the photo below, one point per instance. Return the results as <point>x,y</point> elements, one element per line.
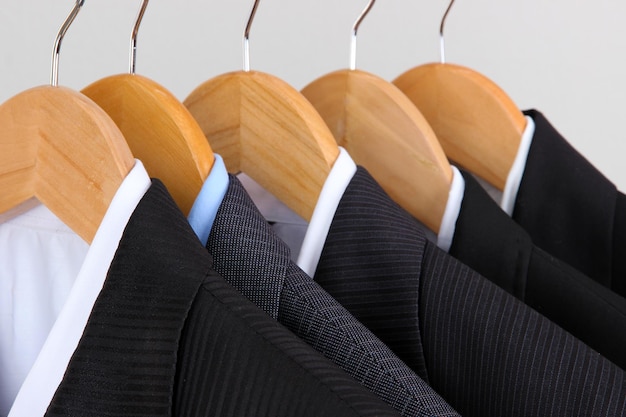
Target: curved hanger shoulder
<point>262,126</point>
<point>384,132</point>
<point>58,146</point>
<point>159,130</point>
<point>478,125</point>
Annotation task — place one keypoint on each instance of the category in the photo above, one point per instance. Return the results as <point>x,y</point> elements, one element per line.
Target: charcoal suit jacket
<point>491,243</point>
<point>253,259</point>
<point>571,210</point>
<point>168,337</point>
<point>485,352</point>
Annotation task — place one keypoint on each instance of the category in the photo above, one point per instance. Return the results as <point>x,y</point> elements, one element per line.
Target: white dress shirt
<point>49,281</point>
<point>335,186</point>
<point>514,179</point>
<point>506,198</point>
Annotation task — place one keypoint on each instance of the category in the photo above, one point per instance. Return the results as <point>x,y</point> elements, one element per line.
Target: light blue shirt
<point>204,209</point>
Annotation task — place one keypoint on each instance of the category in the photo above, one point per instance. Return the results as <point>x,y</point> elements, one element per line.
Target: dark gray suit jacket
<point>491,243</point>
<point>485,352</point>
<point>168,337</point>
<point>254,260</point>
<point>571,210</point>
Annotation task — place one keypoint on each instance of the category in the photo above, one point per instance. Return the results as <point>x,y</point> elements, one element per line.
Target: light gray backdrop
<point>566,58</point>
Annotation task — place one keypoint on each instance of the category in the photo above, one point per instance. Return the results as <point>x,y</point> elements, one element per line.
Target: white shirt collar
<point>516,173</point>
<point>508,197</point>
<point>335,186</point>
<point>47,372</point>
<point>207,203</point>
<point>453,208</point>
<point>340,176</point>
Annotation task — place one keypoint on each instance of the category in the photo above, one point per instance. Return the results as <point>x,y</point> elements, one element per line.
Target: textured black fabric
<point>492,244</point>
<point>375,281</point>
<point>241,243</point>
<point>491,355</point>
<point>489,242</point>
<point>568,207</point>
<point>167,336</point>
<point>125,362</point>
<point>235,360</point>
<point>326,325</point>
<point>487,353</point>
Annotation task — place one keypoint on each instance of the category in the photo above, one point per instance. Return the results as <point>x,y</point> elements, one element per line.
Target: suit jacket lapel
<point>566,205</point>
<point>491,243</point>
<point>371,263</point>
<point>125,362</point>
<point>488,241</point>
<point>487,353</point>
<point>262,259</point>
<point>309,311</point>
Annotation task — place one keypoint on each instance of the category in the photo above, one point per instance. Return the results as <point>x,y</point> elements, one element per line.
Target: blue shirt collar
<point>204,209</point>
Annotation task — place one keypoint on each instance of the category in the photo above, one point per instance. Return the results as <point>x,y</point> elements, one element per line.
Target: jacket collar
<point>126,360</point>
<point>261,265</point>
<point>375,249</point>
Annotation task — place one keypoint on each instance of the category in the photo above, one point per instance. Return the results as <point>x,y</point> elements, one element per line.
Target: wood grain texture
<point>384,132</point>
<point>58,146</point>
<point>478,125</point>
<point>160,132</point>
<point>262,126</point>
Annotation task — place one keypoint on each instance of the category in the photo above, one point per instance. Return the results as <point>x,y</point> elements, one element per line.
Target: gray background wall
<point>565,58</point>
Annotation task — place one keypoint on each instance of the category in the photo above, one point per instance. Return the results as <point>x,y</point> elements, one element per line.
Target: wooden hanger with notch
<point>265,128</point>
<point>384,132</point>
<point>158,128</point>
<point>478,125</point>
<point>59,147</point>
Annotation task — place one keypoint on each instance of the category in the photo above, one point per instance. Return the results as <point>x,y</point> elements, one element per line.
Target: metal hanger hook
<point>133,38</point>
<point>442,44</point>
<point>355,29</point>
<point>246,37</point>
<point>54,77</point>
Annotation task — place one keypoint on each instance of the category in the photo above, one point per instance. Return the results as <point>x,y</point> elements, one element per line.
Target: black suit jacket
<point>492,244</point>
<point>253,259</point>
<point>571,210</point>
<point>486,353</point>
<point>168,337</point>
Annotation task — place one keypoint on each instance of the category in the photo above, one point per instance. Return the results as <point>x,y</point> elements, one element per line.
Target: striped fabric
<point>242,245</point>
<point>326,325</point>
<point>491,243</point>
<point>169,337</point>
<point>486,353</point>
<point>491,355</point>
<point>236,361</point>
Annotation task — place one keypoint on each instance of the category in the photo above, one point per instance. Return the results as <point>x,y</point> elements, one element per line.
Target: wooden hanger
<point>262,126</point>
<point>58,146</point>
<point>478,125</point>
<point>384,132</point>
<point>158,128</point>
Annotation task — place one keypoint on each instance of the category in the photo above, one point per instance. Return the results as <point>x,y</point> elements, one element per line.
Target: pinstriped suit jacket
<point>491,243</point>
<point>168,337</point>
<point>254,260</point>
<point>485,352</point>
